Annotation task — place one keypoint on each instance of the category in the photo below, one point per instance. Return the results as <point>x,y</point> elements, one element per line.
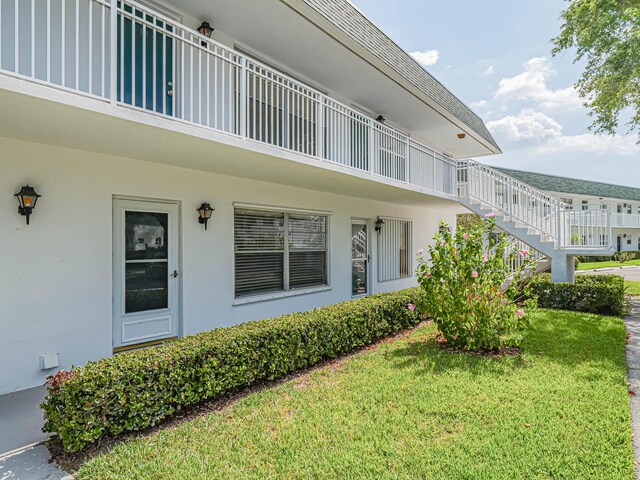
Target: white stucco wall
<point>56,286</point>
<point>626,235</point>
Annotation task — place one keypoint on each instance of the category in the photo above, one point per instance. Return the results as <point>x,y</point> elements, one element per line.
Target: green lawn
<point>407,409</point>
<point>633,288</point>
<point>593,265</point>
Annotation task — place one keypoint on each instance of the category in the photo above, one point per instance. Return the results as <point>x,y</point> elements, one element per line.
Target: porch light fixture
<point>27,199</point>
<point>462,135</point>
<point>204,212</point>
<point>206,30</point>
<point>381,119</point>
<point>379,225</point>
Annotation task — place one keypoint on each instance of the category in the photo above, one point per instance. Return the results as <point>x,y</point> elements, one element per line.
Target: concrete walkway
<point>631,273</point>
<point>633,364</point>
<point>21,419</point>
<point>22,456</point>
<point>31,464</point>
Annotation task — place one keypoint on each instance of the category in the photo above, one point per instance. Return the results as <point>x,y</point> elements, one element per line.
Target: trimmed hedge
<point>603,294</point>
<point>138,389</point>
<point>587,259</point>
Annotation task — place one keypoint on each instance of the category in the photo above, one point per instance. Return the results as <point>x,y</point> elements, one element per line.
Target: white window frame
<point>287,292</point>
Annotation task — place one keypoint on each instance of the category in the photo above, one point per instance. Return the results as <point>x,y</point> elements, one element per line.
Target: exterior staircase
<point>538,219</point>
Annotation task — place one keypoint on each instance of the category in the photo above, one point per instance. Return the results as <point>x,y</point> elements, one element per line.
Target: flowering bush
<point>471,286</point>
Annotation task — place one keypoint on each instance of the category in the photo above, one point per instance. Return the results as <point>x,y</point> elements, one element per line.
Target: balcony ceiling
<point>278,31</point>
<point>96,126</point>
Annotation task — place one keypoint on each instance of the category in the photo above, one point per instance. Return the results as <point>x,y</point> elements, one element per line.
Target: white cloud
<point>479,104</point>
<point>531,85</point>
<point>543,134</point>
<point>490,70</point>
<point>591,144</point>
<point>426,58</point>
<point>528,125</point>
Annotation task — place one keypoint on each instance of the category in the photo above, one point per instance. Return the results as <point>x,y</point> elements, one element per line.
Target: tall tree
<point>606,35</point>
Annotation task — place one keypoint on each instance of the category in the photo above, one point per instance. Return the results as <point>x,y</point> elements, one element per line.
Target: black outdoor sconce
<point>379,225</point>
<point>206,30</point>
<point>27,199</point>
<point>204,212</point>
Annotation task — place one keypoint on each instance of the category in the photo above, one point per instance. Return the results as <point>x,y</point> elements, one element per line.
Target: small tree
<point>605,36</point>
<point>471,287</point>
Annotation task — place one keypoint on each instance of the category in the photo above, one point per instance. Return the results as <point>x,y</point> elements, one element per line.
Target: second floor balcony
<point>622,220</point>
<point>134,57</point>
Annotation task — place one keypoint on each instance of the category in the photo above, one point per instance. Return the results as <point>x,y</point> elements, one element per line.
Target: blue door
<point>145,61</point>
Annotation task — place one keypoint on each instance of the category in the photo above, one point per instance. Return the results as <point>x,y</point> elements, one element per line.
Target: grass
<point>611,264</point>
<point>633,288</point>
<point>407,409</point>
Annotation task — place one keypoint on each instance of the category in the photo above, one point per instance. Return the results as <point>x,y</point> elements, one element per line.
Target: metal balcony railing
<point>134,57</point>
<point>125,53</point>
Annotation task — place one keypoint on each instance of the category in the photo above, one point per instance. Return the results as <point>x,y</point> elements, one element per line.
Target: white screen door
<point>145,271</point>
<point>359,258</point>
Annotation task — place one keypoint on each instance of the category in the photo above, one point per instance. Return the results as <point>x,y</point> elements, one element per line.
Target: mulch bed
<point>503,352</point>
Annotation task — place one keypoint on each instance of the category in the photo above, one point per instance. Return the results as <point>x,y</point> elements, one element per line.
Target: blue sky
<point>495,55</point>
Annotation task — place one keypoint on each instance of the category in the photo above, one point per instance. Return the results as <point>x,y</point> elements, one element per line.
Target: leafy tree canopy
<point>606,35</point>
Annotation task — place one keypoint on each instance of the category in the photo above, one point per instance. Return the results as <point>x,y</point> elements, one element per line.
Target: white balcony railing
<point>620,220</point>
<point>134,57</point>
<point>543,214</point>
<point>631,220</point>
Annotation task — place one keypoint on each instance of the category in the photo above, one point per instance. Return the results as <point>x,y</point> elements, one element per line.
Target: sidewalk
<point>633,364</point>
<point>631,273</point>
<point>22,457</point>
<point>21,419</point>
<point>31,464</point>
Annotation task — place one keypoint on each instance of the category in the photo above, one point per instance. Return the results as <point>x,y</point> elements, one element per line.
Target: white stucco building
<point>622,202</point>
<point>300,122</point>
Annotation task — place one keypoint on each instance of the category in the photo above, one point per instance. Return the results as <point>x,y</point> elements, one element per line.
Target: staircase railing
<point>519,246</point>
<point>543,214</point>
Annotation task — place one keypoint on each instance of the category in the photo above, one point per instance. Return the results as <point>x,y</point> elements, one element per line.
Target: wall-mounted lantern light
<point>27,199</point>
<point>381,119</point>
<point>379,225</point>
<point>206,30</point>
<point>204,212</point>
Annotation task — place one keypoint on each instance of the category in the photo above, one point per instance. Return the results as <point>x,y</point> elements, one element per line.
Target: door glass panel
<point>146,286</point>
<point>146,261</point>
<point>146,235</point>
<point>359,257</point>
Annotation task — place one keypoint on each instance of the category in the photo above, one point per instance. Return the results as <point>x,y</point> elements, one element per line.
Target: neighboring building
<point>623,202</point>
<point>327,152</point>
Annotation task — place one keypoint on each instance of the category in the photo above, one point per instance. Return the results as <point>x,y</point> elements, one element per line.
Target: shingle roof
<point>554,183</point>
<point>352,22</point>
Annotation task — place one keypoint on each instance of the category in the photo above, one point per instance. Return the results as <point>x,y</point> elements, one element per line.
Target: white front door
<point>145,272</point>
<point>359,258</point>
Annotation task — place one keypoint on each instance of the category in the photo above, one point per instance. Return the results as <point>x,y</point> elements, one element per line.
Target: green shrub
<point>467,292</point>
<point>608,258</point>
<point>623,257</point>
<point>603,294</point>
<point>138,389</point>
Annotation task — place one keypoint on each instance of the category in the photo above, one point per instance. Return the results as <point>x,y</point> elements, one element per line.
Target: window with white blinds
<point>279,251</point>
<point>394,249</point>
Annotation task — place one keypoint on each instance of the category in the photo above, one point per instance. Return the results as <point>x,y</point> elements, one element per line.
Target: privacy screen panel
<point>394,250</point>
